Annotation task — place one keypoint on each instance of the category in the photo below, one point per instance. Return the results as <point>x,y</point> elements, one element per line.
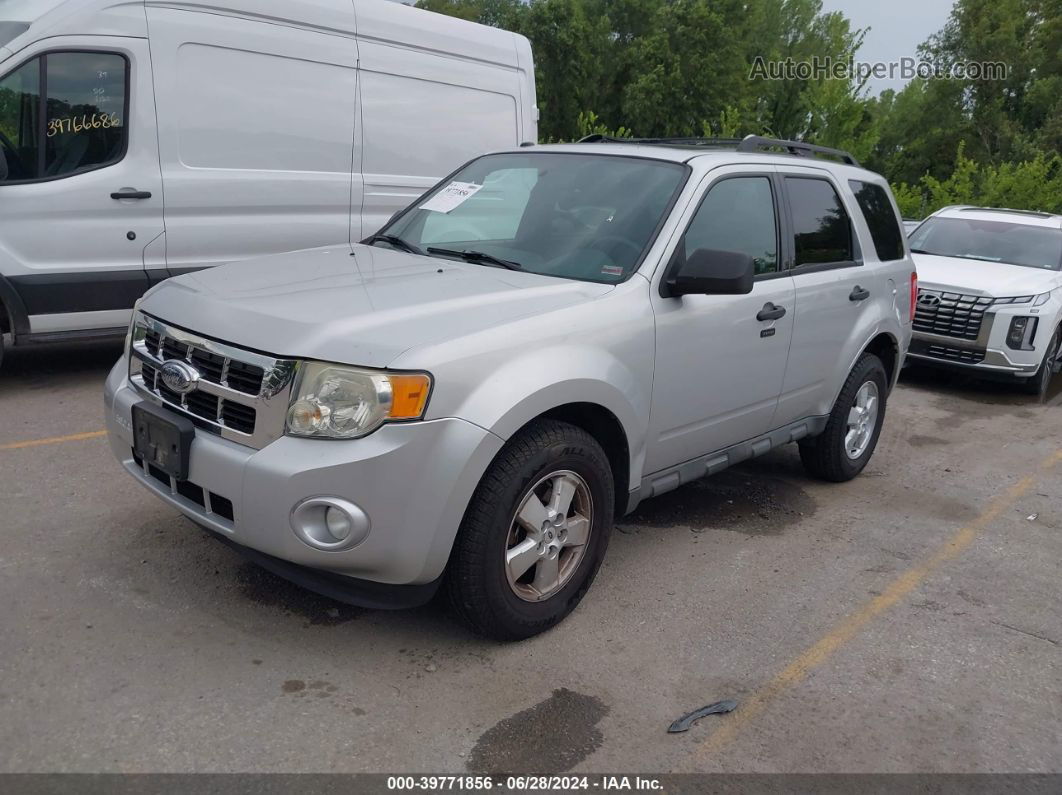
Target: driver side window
<point>62,113</point>
<point>737,214</point>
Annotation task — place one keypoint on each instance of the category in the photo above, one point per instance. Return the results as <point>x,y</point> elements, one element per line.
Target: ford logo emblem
<point>180,377</point>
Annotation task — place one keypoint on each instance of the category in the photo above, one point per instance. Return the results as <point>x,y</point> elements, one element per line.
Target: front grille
<point>950,314</point>
<point>240,395</point>
<point>946,353</point>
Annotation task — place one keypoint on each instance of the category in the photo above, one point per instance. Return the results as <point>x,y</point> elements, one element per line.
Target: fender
<point>543,379</point>
<point>16,309</point>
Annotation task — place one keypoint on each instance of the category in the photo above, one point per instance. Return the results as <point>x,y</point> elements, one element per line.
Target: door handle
<point>858,294</point>
<point>771,312</point>
<point>131,194</point>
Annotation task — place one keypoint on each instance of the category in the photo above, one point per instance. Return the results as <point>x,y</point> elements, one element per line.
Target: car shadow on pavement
<point>60,364</point>
<point>970,387</point>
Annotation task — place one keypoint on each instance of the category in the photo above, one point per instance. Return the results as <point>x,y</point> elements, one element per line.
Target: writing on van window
<point>452,196</point>
<point>76,124</point>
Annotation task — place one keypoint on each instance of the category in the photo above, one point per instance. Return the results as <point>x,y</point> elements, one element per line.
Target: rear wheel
<point>1041,382</point>
<point>534,534</point>
<point>844,448</point>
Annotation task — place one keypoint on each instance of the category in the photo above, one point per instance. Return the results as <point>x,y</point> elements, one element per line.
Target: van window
<point>737,214</point>
<point>822,230</point>
<point>80,125</point>
<point>881,218</point>
<point>20,107</point>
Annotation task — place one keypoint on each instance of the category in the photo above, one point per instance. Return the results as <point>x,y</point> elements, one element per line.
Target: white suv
<point>990,295</point>
<point>549,336</point>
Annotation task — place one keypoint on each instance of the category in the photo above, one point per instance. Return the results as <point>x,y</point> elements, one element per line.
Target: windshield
<point>990,241</point>
<point>587,217</point>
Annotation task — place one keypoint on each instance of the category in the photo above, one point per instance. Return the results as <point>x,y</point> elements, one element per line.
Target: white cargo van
<point>140,139</point>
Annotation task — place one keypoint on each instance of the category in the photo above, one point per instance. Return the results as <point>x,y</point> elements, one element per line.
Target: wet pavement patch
<point>551,737</point>
<point>267,589</point>
<point>737,500</point>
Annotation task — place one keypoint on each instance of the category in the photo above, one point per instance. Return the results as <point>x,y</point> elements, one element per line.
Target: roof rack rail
<point>1035,213</point>
<point>757,143</point>
<point>598,138</point>
<point>750,143</point>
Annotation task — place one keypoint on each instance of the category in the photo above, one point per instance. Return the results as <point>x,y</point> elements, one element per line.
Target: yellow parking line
<point>798,670</point>
<point>74,437</point>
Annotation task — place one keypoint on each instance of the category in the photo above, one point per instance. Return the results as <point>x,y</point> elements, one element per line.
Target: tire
<point>544,461</point>
<point>828,456</point>
<point>1041,382</point>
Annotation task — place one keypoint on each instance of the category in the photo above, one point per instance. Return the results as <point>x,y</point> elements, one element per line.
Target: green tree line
<point>688,67</point>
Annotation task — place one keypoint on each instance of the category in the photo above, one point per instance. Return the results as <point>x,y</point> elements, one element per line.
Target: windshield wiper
<point>395,241</point>
<point>477,256</point>
<point>923,251</point>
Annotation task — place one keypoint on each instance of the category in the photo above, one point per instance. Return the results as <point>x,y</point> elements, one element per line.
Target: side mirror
<point>711,272</point>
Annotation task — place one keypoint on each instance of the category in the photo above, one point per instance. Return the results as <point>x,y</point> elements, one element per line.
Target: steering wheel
<point>10,153</point>
<point>607,242</point>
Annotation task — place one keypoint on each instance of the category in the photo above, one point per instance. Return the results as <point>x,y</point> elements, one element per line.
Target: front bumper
<point>413,481</point>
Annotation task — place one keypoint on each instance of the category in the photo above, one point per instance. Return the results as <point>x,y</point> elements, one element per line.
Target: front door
<point>80,185</point>
<point>721,359</point>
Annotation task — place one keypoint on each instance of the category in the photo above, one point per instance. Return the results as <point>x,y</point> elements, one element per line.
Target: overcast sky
<point>896,27</point>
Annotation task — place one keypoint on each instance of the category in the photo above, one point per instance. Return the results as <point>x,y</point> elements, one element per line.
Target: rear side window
<point>822,230</point>
<point>884,226</point>
<point>63,113</point>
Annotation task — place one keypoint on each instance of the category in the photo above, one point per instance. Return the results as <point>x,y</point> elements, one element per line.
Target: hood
<point>362,305</point>
<point>974,277</point>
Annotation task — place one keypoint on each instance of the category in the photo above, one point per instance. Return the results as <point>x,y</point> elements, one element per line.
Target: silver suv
<point>549,336</point>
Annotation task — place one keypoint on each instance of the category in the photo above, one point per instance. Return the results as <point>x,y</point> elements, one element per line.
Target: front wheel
<point>1041,382</point>
<point>534,534</point>
<point>844,448</point>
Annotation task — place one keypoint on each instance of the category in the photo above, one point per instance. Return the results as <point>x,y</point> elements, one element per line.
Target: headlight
<point>333,401</point>
<point>1041,299</point>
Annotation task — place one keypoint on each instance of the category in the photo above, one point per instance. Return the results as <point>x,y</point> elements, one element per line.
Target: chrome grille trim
<point>269,404</point>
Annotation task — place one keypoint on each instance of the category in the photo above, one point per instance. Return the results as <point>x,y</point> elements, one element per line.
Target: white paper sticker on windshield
<point>453,195</point>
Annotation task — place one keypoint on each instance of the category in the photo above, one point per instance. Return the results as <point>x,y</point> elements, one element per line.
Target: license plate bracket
<point>162,439</point>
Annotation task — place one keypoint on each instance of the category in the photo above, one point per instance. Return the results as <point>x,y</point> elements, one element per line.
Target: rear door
<point>834,291</point>
<point>80,189</point>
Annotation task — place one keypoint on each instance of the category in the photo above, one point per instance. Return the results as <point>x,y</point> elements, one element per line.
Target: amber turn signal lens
<point>409,396</point>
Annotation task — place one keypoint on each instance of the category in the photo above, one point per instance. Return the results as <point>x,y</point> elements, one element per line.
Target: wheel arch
<point>13,316</point>
<point>608,431</point>
<point>887,348</point>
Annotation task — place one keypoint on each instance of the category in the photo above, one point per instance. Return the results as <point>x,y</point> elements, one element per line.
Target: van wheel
<point>534,534</point>
<point>1041,382</point>
<point>852,431</point>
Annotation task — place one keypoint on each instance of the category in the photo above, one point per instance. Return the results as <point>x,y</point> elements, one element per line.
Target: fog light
<point>1021,333</point>
<point>330,524</point>
<point>337,522</point>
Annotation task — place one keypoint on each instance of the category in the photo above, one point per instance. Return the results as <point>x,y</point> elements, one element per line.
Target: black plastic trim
<point>78,335</point>
<point>16,309</point>
<point>349,590</point>
<point>95,291</point>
